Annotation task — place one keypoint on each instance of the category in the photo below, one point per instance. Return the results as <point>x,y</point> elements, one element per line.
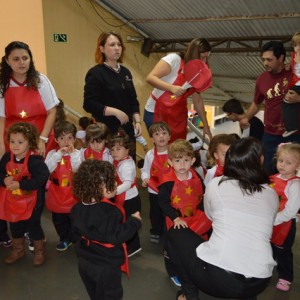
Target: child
<point>23,175</point>
<point>97,136</point>
<point>100,230</point>
<point>155,165</point>
<point>62,163</point>
<point>217,149</point>
<point>180,194</point>
<point>290,111</point>
<point>83,122</point>
<point>127,193</point>
<point>287,186</point>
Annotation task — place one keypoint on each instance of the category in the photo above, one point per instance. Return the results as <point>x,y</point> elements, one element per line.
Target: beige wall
<point>68,63</point>
<point>23,21</point>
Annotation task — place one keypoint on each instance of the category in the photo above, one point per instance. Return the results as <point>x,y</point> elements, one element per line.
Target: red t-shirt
<point>271,89</point>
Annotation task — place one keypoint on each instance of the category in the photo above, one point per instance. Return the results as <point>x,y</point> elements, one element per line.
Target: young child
<point>290,111</point>
<point>97,136</point>
<point>180,194</point>
<point>217,149</point>
<point>62,162</point>
<point>23,175</point>
<point>287,185</point>
<point>100,241</point>
<point>83,123</point>
<point>155,165</point>
<point>127,193</point>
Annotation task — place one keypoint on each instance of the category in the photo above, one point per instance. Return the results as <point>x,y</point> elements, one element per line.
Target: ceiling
<point>236,30</point>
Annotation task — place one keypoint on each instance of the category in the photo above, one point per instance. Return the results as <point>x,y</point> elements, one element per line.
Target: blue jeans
<point>148,118</point>
<point>270,143</point>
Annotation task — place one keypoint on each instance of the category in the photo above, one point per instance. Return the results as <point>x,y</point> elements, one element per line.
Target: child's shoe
<point>133,252</point>
<point>7,243</point>
<point>63,245</point>
<point>283,285</point>
<point>288,133</point>
<point>175,280</point>
<point>154,238</point>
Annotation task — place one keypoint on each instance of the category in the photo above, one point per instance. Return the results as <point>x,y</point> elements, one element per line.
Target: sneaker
<point>288,133</point>
<point>283,285</point>
<point>175,280</point>
<point>63,246</point>
<point>6,244</point>
<point>133,252</point>
<point>154,238</point>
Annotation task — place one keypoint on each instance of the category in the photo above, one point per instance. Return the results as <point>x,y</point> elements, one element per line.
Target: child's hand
<point>14,185</point>
<point>178,223</point>
<point>145,182</point>
<point>137,215</point>
<point>71,149</point>
<point>8,180</point>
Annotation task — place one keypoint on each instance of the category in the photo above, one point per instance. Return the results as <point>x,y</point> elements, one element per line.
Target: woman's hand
<point>206,131</point>
<point>177,90</point>
<point>121,116</point>
<point>145,182</point>
<point>42,148</point>
<point>138,129</point>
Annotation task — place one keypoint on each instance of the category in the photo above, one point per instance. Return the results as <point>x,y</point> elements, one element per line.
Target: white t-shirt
<point>242,228</point>
<point>174,60</point>
<point>45,89</point>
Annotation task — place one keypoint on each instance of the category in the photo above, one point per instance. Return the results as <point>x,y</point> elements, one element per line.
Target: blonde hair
<point>180,148</point>
<point>288,148</point>
<point>296,39</point>
<point>226,139</point>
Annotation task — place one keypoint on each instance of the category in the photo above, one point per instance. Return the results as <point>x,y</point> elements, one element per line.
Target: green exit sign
<point>60,37</point>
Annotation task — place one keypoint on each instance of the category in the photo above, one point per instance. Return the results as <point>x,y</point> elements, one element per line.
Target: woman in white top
<point>236,262</point>
<point>165,78</point>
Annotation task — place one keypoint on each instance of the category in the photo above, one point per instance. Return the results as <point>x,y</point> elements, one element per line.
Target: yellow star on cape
<point>62,161</point>
<point>166,164</point>
<point>23,114</point>
<point>176,199</point>
<point>91,156</point>
<point>154,170</point>
<point>188,190</point>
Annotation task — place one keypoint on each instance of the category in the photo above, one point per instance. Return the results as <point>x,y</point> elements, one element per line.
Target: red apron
<point>281,231</point>
<point>125,266</point>
<point>91,154</point>
<point>17,205</point>
<point>219,170</point>
<point>173,110</point>
<point>185,198</point>
<point>159,167</point>
<point>60,198</point>
<point>24,104</point>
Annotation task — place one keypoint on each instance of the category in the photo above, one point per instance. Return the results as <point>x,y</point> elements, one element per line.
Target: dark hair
<point>84,122</point>
<point>275,46</point>
<point>90,178</point>
<point>29,132</point>
<point>233,106</point>
<point>32,76</point>
<point>99,55</point>
<point>121,138</point>
<point>60,112</point>
<point>157,126</point>
<point>195,48</point>
<point>64,127</point>
<point>96,132</point>
<point>243,162</point>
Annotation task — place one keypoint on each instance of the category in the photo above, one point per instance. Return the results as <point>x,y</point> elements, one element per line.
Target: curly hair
<point>180,148</point>
<point>90,179</point>
<point>99,55</point>
<point>97,132</point>
<point>29,132</point>
<point>32,76</point>
<point>120,138</point>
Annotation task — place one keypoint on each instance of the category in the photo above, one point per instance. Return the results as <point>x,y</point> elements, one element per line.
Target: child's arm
<point>127,174</point>
<point>76,159</point>
<point>4,160</point>
<point>52,159</point>
<point>145,171</point>
<point>292,206</point>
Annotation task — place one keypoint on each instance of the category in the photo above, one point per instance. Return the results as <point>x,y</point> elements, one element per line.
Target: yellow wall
<point>23,21</point>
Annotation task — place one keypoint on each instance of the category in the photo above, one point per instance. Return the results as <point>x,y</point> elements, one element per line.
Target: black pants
<point>195,273</point>
<point>290,113</point>
<point>3,231</point>
<point>130,207</point>
<point>157,218</point>
<point>32,225</point>
<point>102,282</point>
<point>62,224</point>
<point>284,255</point>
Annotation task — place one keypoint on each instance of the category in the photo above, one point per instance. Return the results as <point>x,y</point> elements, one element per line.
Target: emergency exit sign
<point>60,37</point>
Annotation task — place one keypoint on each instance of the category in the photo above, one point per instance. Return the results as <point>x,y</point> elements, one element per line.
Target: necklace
<point>116,69</point>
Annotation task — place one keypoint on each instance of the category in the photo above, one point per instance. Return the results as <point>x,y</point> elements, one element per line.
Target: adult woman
<point>236,262</point>
<point>167,77</point>
<point>25,94</point>
<point>109,93</point>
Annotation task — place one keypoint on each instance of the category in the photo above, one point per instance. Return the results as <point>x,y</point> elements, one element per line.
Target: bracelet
<point>44,139</point>
<point>137,122</point>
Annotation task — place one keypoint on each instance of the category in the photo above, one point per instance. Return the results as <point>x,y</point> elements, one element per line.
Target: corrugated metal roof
<point>234,73</point>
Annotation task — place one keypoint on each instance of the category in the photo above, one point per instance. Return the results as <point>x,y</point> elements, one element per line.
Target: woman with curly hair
<point>100,230</point>
<point>25,95</point>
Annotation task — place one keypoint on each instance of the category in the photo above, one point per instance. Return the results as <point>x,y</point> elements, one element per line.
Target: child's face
<point>182,165</point>
<point>65,140</point>
<point>18,145</point>
<point>220,153</point>
<point>287,164</point>
<point>161,138</point>
<point>297,48</point>
<point>96,146</point>
<point>119,152</point>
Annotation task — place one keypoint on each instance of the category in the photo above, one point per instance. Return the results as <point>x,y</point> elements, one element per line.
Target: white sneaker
<point>288,133</point>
